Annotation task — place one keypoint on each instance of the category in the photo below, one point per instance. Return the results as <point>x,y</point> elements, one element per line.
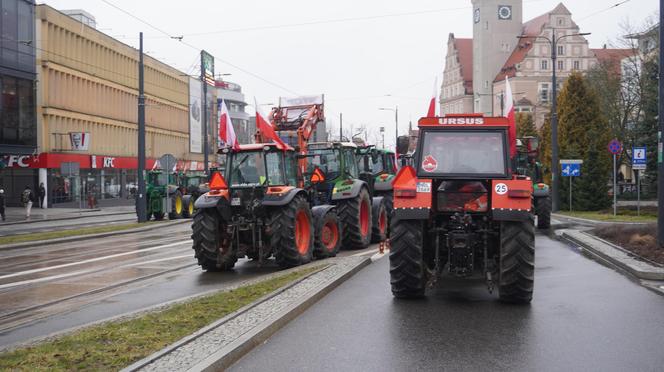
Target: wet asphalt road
<point>51,288</point>
<point>584,317</point>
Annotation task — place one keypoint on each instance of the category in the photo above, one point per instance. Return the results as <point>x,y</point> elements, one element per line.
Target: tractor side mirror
<point>402,145</point>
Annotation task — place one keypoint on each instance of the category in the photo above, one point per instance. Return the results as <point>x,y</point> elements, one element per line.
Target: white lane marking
<point>45,279</point>
<point>21,273</point>
<point>60,276</point>
<point>364,253</point>
<point>160,260</point>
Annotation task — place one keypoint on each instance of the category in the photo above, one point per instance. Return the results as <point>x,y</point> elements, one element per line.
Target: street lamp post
<point>396,121</point>
<point>553,41</point>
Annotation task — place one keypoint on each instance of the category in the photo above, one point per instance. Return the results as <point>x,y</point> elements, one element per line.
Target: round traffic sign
<point>615,147</point>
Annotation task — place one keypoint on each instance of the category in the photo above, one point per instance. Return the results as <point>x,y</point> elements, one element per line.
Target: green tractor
<point>192,186</point>
<point>528,164</point>
<point>349,190</point>
<point>160,187</point>
<point>379,168</point>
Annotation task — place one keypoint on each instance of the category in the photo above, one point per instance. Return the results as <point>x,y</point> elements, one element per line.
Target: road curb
<point>612,256</point>
<point>228,354</point>
<point>75,238</point>
<point>597,222</point>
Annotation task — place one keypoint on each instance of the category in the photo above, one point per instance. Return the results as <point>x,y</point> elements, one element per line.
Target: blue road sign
<point>615,147</point>
<point>639,157</point>
<point>571,169</point>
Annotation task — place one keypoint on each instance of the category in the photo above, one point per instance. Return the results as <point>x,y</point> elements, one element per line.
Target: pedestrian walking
<point>2,204</point>
<point>42,194</point>
<point>27,198</point>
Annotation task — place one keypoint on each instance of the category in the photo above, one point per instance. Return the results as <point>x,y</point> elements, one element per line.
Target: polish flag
<point>265,128</point>
<point>226,132</point>
<point>433,103</point>
<point>509,114</point>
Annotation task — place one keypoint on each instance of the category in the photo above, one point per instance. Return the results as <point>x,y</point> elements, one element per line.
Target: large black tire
<point>328,236</point>
<point>407,274</point>
<point>188,202</point>
<point>158,216</point>
<point>543,210</point>
<point>209,234</point>
<point>354,237</point>
<point>517,261</point>
<point>379,225</point>
<point>283,233</point>
<point>176,209</point>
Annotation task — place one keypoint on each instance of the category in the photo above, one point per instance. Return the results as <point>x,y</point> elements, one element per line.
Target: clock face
<point>476,15</point>
<point>504,12</point>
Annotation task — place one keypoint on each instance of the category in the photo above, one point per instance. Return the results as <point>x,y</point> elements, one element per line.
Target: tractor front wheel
<point>517,261</point>
<point>407,273</point>
<point>212,246</point>
<point>355,215</point>
<point>543,210</point>
<point>328,236</point>
<point>177,206</point>
<point>291,233</point>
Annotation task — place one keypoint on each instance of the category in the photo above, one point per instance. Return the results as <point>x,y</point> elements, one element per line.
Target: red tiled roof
<point>612,57</point>
<point>465,50</point>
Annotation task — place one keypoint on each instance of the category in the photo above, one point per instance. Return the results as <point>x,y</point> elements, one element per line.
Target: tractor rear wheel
<point>177,206</point>
<point>291,233</point>
<point>328,236</point>
<point>380,223</point>
<point>355,215</point>
<point>212,245</point>
<point>543,209</point>
<point>188,210</point>
<point>407,274</point>
<point>517,261</point>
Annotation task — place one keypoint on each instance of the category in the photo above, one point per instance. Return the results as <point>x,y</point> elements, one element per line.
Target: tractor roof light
<point>218,182</point>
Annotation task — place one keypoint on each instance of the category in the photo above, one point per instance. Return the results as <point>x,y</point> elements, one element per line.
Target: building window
<point>486,84</point>
<point>544,64</point>
<point>576,65</point>
<point>561,65</point>
<point>561,21</point>
<point>561,50</point>
<point>544,92</point>
<point>17,112</point>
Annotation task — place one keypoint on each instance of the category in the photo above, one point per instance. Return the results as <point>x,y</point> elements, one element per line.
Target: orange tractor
<point>460,210</point>
<point>260,205</point>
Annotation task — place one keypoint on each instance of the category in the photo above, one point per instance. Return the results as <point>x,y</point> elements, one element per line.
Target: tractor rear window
<point>463,153</point>
<point>327,160</point>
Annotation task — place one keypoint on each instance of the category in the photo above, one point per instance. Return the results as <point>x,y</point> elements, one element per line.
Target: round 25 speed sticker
<point>500,188</point>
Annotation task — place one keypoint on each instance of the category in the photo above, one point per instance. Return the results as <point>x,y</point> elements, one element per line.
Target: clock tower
<point>496,25</point>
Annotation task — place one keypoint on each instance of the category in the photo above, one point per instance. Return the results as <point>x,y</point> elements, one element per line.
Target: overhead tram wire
<point>179,39</point>
<point>603,10</point>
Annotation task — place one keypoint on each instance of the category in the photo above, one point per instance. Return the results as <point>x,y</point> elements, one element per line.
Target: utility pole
<point>141,205</point>
<point>396,126</point>
<point>660,119</point>
<point>205,116</point>
<point>555,200</point>
<point>341,127</point>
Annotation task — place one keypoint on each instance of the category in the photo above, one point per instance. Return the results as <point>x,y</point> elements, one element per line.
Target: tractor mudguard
<point>215,201</point>
<point>511,200</point>
<point>275,199</point>
<point>319,211</point>
<point>375,202</point>
<point>383,185</point>
<point>342,191</point>
<point>541,192</point>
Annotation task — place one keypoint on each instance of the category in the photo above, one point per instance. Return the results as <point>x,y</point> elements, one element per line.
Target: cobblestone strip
<point>206,346</point>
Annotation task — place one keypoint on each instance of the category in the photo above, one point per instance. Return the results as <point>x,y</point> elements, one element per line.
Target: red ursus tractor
<point>459,210</point>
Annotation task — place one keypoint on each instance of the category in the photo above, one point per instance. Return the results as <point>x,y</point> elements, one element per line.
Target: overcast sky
<point>355,52</point>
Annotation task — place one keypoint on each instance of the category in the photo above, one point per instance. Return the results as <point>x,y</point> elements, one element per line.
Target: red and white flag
<point>226,132</point>
<point>433,103</point>
<point>509,114</point>
<point>265,128</point>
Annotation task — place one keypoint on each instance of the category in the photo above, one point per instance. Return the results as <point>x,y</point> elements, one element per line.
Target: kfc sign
<point>18,161</point>
<point>80,141</point>
<point>109,162</point>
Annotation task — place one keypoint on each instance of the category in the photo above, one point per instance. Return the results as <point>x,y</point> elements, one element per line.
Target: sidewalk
<point>16,215</point>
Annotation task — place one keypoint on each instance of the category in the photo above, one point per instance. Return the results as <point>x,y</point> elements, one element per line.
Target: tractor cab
<point>336,162</point>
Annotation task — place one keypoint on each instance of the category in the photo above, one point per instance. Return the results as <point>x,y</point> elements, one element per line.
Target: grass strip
<point>114,345</point>
<point>67,233</point>
<point>622,216</point>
